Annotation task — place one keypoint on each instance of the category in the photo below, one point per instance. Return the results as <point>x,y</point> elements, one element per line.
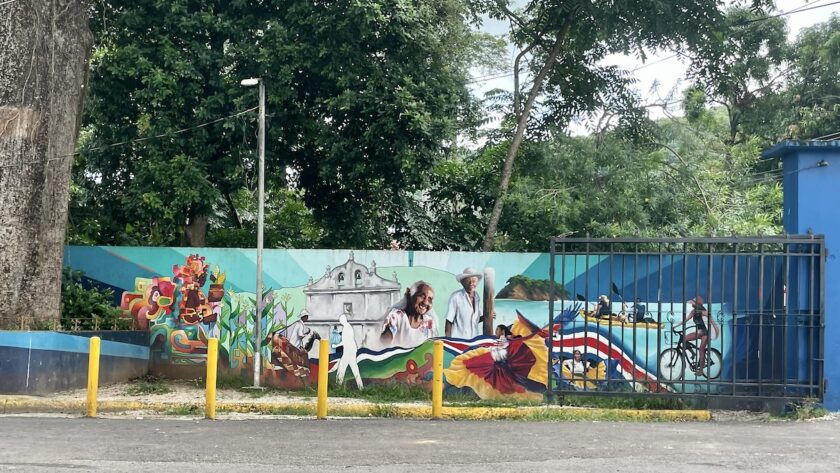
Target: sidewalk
<point>184,399</point>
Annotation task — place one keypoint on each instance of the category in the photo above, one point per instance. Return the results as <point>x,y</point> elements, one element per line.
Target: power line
<point>799,9</point>
<point>795,10</point>
<point>655,62</point>
<point>829,136</point>
<point>779,175</point>
<point>136,140</point>
<point>508,74</point>
<point>489,77</point>
<point>7,1</point>
<point>806,4</point>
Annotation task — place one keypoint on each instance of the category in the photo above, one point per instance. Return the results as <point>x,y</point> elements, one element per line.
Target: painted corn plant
<point>238,325</point>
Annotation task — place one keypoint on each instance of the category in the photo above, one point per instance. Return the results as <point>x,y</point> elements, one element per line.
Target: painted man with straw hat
<point>465,312</point>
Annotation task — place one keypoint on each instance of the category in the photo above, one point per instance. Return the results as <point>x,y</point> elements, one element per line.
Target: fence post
<point>93,376</point>
<point>323,370</point>
<point>210,379</point>
<point>437,380</point>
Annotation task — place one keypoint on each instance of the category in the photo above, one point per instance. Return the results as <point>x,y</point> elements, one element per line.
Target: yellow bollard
<point>437,380</point>
<point>210,382</point>
<point>93,376</point>
<point>323,369</point>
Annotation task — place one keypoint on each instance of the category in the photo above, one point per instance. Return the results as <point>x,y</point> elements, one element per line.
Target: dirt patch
<point>186,392</point>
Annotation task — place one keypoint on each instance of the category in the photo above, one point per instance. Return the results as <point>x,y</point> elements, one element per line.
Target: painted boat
<point>615,321</point>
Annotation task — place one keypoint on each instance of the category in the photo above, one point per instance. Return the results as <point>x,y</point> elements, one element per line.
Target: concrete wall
<point>45,362</point>
<point>152,284</point>
<point>811,172</point>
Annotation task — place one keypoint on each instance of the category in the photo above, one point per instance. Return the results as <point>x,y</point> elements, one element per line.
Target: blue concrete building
<point>811,179</point>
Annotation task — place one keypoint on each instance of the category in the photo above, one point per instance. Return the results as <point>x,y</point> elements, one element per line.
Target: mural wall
<point>381,310</point>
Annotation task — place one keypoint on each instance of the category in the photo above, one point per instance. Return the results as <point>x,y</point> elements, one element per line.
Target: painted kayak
<point>616,322</point>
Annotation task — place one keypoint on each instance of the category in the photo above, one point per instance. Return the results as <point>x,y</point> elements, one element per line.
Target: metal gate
<point>734,317</point>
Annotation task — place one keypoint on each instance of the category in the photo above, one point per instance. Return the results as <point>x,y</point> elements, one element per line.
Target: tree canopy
<point>363,100</point>
<point>369,109</point>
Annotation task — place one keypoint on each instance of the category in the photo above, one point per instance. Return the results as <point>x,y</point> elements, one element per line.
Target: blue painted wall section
<point>44,362</point>
<point>811,171</point>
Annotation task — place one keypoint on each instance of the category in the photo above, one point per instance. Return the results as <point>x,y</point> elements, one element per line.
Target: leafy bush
<point>805,409</point>
<point>148,385</point>
<point>87,308</point>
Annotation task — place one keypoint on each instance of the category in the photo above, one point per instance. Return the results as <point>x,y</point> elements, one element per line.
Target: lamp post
<point>260,221</point>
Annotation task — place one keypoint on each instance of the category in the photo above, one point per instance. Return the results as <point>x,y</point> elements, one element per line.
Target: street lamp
<point>260,221</point>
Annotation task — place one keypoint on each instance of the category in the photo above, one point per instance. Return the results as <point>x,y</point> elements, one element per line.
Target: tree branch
<point>704,198</point>
<point>513,16</point>
<point>504,183</point>
<point>516,98</point>
<point>233,211</point>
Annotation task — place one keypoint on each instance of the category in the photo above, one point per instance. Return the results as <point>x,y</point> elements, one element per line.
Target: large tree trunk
<point>44,50</point>
<point>195,231</point>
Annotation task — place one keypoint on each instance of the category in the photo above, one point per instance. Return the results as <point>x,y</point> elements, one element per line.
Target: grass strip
<point>543,414</point>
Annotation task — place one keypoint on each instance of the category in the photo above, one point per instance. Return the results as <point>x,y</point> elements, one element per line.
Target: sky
<point>660,73</point>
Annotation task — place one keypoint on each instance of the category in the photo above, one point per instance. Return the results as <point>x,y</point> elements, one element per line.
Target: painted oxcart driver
<point>412,321</point>
<point>296,331</point>
<point>464,312</point>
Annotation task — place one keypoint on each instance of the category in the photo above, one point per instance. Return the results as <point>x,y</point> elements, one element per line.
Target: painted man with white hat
<point>297,331</point>
<point>465,311</point>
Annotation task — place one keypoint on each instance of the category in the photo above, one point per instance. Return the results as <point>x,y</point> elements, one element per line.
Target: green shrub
<point>806,409</point>
<point>148,385</point>
<point>87,309</point>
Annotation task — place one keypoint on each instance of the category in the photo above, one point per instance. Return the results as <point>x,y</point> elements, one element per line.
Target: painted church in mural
<point>381,311</point>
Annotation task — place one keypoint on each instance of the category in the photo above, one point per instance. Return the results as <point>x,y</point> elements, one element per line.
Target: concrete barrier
<point>44,362</point>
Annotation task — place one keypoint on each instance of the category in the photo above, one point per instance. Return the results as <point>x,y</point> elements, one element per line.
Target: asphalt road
<point>45,444</point>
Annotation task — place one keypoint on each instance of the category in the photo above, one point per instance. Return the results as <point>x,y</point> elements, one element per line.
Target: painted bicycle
<point>672,361</point>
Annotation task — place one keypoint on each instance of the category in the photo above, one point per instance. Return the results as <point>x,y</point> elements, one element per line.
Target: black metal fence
<point>738,317</point>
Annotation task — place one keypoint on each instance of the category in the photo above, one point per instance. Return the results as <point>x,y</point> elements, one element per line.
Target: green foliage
<point>694,103</point>
<point>742,65</point>
<point>622,402</point>
<point>361,97</point>
<point>184,410</point>
<point>461,188</point>
<point>578,82</point>
<point>87,308</point>
<point>806,409</point>
<point>374,392</point>
<point>382,392</point>
<point>685,181</point>
<point>366,102</point>
<point>148,385</point>
<point>815,89</point>
<point>288,222</point>
<point>232,382</point>
<point>537,286</point>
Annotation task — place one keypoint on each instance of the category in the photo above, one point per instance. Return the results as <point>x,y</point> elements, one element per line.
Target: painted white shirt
<point>295,333</point>
<point>463,316</point>
<point>578,368</point>
<point>405,335</point>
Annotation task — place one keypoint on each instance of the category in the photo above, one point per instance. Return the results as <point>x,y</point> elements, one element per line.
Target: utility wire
<point>799,9</point>
<point>489,77</point>
<point>806,4</point>
<point>829,136</point>
<point>795,10</point>
<point>137,140</point>
<point>655,62</point>
<point>508,74</point>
